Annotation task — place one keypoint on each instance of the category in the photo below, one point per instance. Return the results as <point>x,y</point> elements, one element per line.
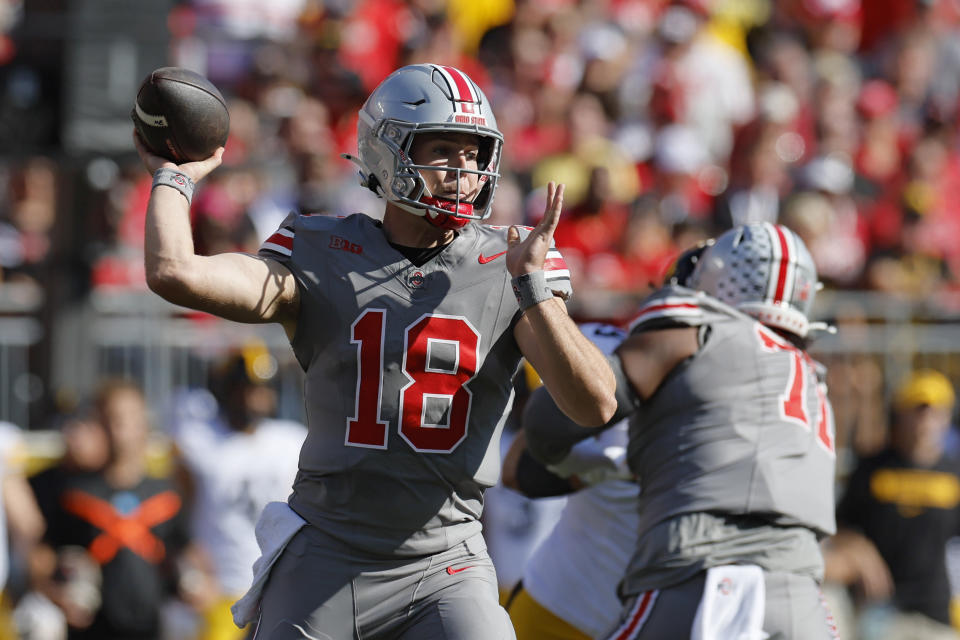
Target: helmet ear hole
<point>373,184</point>
<point>681,271</point>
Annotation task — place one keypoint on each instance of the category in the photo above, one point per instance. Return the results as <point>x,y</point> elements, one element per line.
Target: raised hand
<point>528,256</point>
<point>196,170</point>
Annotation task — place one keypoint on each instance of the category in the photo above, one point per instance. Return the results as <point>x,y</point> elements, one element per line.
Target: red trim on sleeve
<point>284,241</point>
<point>555,264</point>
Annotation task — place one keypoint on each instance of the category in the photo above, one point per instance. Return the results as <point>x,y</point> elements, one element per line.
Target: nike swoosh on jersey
<point>482,259</point>
<point>452,571</point>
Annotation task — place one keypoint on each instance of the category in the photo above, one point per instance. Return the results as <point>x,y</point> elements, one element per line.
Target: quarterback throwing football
<point>410,330</point>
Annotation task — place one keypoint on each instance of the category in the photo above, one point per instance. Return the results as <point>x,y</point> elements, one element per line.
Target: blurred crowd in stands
<point>668,120</point>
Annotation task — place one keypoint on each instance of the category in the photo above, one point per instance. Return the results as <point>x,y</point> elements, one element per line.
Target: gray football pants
<point>794,610</point>
<point>320,589</point>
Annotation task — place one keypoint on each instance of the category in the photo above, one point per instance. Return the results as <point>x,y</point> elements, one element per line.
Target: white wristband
<point>176,179</point>
<point>531,289</point>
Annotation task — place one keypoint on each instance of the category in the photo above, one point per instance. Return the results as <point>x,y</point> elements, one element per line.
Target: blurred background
<point>668,120</point>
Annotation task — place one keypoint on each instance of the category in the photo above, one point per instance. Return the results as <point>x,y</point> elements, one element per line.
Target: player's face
<point>450,151</point>
<point>124,416</point>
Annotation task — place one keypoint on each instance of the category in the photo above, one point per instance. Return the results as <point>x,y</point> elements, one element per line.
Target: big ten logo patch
<point>336,242</point>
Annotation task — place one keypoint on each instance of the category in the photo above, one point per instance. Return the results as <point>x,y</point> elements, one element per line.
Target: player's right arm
<point>235,286</point>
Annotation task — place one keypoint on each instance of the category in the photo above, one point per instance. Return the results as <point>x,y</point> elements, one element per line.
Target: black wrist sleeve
<point>536,481</point>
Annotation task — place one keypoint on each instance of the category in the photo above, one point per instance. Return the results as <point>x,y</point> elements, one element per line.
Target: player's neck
<point>410,230</point>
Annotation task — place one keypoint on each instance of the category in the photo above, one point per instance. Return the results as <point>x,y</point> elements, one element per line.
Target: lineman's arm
<point>647,357</point>
<point>642,362</point>
<point>527,475</point>
<point>571,367</point>
<point>236,286</point>
<point>579,461</point>
<point>549,434</point>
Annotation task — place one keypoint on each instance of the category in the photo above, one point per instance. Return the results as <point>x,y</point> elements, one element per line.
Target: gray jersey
<point>408,379</point>
<point>741,429</point>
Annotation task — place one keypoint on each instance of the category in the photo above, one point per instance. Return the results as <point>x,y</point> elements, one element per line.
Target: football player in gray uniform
<point>731,440</point>
<point>410,330</point>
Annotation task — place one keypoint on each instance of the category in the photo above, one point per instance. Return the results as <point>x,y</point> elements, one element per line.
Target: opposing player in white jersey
<point>731,440</point>
<point>410,330</point>
<point>237,457</point>
<point>568,589</point>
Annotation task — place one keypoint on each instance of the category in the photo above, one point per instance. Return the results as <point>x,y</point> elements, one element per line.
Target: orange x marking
<point>131,531</point>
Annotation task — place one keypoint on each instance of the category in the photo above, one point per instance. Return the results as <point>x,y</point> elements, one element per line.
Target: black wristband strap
<point>176,179</point>
<point>534,480</point>
<point>531,289</point>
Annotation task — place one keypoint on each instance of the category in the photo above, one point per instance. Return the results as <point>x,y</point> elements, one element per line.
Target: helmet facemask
<point>409,191</point>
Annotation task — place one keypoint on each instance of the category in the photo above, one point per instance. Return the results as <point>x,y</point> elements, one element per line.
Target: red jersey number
<point>365,428</point>
<point>793,407</point>
<point>441,389</point>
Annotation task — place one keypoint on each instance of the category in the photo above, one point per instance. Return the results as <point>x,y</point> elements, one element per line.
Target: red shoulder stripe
<point>279,239</point>
<point>555,264</point>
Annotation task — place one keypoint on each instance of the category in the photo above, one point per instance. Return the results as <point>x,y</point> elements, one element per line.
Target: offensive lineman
<point>410,331</point>
<point>731,441</point>
<point>569,586</point>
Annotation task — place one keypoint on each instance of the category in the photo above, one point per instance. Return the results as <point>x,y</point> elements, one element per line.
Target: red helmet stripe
<point>464,93</point>
<point>784,263</point>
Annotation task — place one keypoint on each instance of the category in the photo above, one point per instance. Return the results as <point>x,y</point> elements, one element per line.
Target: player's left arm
<point>574,371</point>
<point>572,368</point>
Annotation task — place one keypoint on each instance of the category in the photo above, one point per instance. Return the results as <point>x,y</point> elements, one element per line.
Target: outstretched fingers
<point>528,255</point>
<point>551,216</point>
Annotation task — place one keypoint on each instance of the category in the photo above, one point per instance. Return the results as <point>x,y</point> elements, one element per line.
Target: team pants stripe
<point>831,623</point>
<point>637,617</point>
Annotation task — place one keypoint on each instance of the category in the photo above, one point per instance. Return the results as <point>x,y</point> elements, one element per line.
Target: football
<point>180,115</point>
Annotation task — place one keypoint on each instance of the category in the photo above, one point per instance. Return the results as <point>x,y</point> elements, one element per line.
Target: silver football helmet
<point>765,271</point>
<point>426,98</point>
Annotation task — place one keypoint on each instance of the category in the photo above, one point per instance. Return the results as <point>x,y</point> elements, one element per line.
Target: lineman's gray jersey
<point>742,428</point>
<point>396,356</point>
